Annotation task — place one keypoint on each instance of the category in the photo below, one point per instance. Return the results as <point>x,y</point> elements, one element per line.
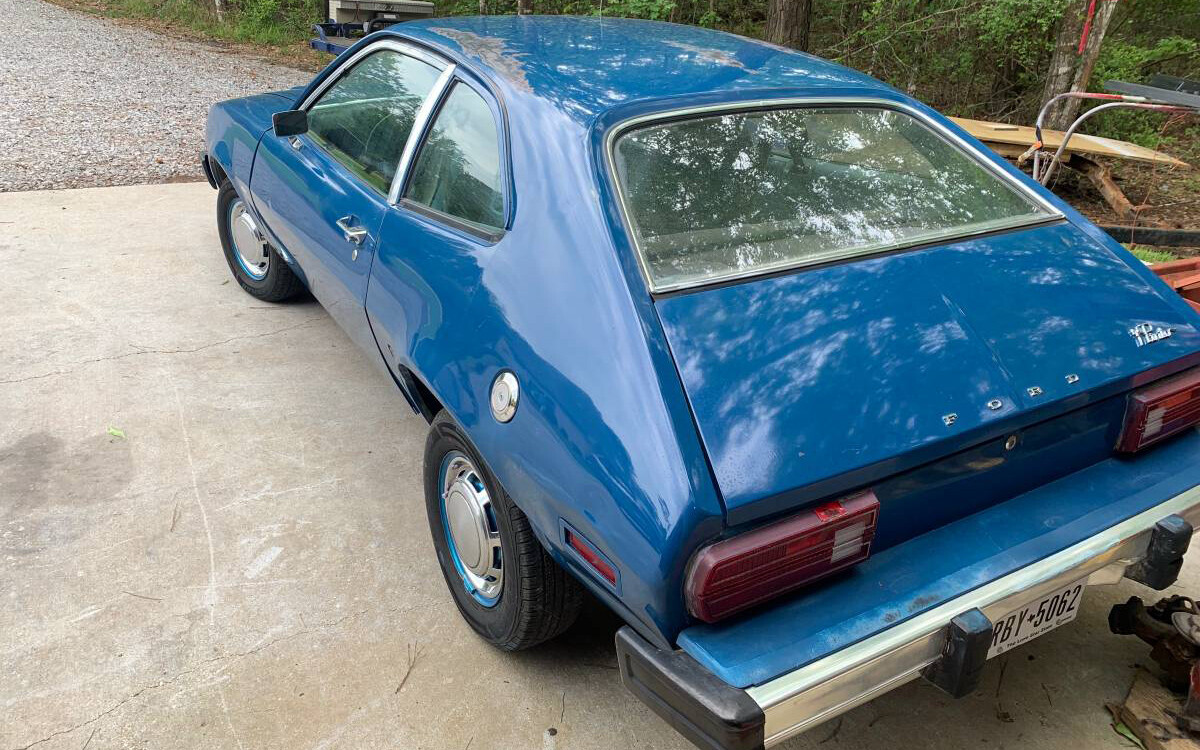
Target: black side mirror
<point>291,122</point>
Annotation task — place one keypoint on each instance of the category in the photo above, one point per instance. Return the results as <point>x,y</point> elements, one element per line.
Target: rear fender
<point>602,439</point>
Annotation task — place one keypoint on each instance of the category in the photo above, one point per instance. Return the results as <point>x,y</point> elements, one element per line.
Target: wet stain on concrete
<point>40,471</point>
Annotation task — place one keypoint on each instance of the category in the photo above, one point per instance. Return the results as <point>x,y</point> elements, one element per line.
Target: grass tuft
<point>1150,256</point>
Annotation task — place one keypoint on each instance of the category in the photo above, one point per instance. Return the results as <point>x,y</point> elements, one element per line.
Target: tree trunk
<point>1070,70</point>
<point>524,7</point>
<point>851,20</point>
<point>483,7</point>
<point>788,23</point>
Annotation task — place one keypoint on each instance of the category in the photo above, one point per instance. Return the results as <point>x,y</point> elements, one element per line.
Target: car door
<point>453,209</point>
<point>323,195</point>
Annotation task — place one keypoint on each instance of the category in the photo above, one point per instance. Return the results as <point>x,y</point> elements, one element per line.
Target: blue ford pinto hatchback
<point>813,390</point>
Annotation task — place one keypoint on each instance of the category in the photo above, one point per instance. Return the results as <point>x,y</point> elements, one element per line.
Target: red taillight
<point>591,556</point>
<point>750,568</point>
<point>1160,410</point>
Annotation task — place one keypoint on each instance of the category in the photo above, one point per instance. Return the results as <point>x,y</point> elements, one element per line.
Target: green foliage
<point>655,10</point>
<point>1149,256</point>
<point>1122,60</point>
<point>273,21</point>
<point>1125,61</point>
<point>973,58</point>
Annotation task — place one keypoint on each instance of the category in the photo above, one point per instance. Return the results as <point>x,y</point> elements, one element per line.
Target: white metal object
<point>351,231</point>
<point>472,527</point>
<point>1115,101</point>
<point>1036,618</point>
<point>506,392</point>
<point>361,11</point>
<point>248,242</point>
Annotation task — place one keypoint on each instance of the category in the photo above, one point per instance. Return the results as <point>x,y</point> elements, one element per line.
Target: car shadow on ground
<point>589,642</point>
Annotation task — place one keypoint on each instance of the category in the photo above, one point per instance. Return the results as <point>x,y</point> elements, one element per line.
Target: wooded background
<point>988,59</point>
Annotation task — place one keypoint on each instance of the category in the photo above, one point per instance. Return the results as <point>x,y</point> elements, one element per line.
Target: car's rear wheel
<point>505,584</point>
<point>254,263</point>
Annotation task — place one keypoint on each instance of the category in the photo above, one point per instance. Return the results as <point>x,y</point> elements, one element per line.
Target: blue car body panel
<point>234,130</point>
<point>616,427</point>
<point>301,194</point>
<point>797,379</point>
<point>603,438</point>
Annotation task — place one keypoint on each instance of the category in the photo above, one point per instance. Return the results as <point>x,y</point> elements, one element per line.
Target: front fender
<point>234,129</point>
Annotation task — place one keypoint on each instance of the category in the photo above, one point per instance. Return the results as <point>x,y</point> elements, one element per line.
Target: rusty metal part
<point>1189,719</point>
<point>1171,649</point>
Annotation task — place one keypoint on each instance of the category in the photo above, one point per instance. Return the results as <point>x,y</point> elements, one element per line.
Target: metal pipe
<point>1045,110</point>
<point>1045,180</point>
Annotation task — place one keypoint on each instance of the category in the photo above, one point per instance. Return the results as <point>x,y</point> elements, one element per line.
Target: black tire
<point>538,599</point>
<point>279,283</point>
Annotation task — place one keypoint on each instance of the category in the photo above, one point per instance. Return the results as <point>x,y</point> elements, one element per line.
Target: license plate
<point>1035,618</point>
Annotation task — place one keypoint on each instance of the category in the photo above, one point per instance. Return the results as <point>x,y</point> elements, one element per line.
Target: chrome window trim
<point>482,232</point>
<point>417,135</point>
<point>423,112</point>
<point>799,700</point>
<point>392,44</point>
<point>939,129</point>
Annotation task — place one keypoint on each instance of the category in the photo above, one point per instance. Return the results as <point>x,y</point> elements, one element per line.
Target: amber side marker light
<point>1160,410</point>
<point>736,573</point>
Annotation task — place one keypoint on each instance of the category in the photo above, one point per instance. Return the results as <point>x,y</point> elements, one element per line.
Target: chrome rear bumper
<point>716,715</point>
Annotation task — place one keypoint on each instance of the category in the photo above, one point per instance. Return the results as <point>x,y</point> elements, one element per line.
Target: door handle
<point>297,144</point>
<point>350,231</point>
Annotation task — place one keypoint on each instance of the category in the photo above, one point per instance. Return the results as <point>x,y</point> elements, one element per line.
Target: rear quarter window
<point>457,171</point>
<point>728,195</point>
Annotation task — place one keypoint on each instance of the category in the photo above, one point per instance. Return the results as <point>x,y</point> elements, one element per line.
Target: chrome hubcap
<point>248,244</point>
<point>471,529</point>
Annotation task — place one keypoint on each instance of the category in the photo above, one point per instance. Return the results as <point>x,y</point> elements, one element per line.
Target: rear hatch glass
<point>740,193</point>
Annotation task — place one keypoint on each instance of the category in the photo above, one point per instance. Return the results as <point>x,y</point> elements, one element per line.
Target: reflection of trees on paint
<point>738,191</point>
<point>365,118</point>
<point>569,60</point>
<point>458,169</point>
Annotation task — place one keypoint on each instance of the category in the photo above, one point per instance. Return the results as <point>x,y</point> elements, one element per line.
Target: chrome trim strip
<point>820,691</point>
<point>420,124</point>
<point>423,112</point>
<point>979,155</point>
<point>392,44</point>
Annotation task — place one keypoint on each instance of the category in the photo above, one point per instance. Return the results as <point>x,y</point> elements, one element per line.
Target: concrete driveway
<point>246,563</point>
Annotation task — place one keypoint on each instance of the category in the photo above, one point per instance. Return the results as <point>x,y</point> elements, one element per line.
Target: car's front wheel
<point>505,584</point>
<point>255,264</point>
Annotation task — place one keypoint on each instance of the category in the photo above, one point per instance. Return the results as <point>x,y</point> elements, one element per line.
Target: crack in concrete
<point>237,656</point>
<point>83,362</point>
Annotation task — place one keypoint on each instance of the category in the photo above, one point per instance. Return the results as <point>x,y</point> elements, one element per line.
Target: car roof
<point>586,66</point>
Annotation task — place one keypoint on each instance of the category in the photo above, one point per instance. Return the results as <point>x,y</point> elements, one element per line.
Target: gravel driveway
<point>87,102</point>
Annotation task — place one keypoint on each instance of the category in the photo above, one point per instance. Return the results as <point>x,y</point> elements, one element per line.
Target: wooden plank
<point>1101,177</point>
<point>1171,267</point>
<point>1020,135</point>
<point>1147,711</point>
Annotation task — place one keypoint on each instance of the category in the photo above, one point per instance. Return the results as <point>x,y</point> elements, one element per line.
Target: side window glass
<point>457,171</point>
<point>363,120</point>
